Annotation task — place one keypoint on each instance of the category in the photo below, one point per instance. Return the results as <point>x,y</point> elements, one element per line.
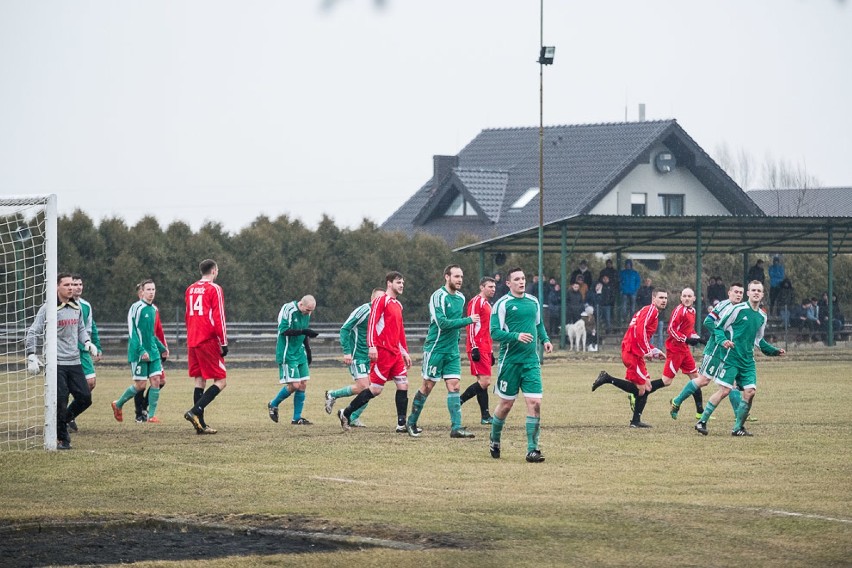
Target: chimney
<point>441,168</point>
<point>641,112</point>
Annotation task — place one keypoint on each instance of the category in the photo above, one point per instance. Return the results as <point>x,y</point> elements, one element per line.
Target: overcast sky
<point>225,110</point>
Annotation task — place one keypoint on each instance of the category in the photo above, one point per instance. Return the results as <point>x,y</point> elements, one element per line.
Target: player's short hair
<point>142,284</point>
<point>485,280</point>
<point>658,291</point>
<point>757,282</point>
<point>62,275</point>
<point>393,275</point>
<point>515,269</point>
<point>206,266</point>
<point>449,269</point>
<point>735,284</point>
<point>76,276</point>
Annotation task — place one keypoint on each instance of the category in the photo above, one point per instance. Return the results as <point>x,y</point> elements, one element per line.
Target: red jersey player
<point>681,336</point>
<point>635,349</point>
<point>388,349</point>
<point>479,347</point>
<point>206,341</point>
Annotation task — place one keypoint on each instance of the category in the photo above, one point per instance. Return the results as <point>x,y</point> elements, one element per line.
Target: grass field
<point>606,496</point>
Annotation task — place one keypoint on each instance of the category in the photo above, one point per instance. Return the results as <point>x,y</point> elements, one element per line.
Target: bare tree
<point>782,174</point>
<point>738,165</point>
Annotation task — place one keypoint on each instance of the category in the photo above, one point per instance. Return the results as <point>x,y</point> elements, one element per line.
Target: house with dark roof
<point>804,202</point>
<point>491,187</point>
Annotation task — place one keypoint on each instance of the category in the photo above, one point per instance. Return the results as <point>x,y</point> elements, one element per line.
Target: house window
<point>671,205</point>
<point>460,208</point>
<point>525,198</point>
<point>639,204</point>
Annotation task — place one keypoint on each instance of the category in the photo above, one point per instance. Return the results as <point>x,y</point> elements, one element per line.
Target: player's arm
<point>726,319</point>
<point>640,330</point>
<point>675,323</point>
<point>474,328</point>
<point>498,320</point>
<point>217,312</point>
<point>135,350</point>
<point>35,331</point>
<point>377,311</point>
<point>159,333</point>
<point>346,333</point>
<point>540,329</point>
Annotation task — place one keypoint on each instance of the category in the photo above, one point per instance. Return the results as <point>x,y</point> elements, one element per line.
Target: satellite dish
<point>500,259</point>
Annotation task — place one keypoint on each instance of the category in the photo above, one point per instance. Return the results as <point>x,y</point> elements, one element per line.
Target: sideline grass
<point>606,496</point>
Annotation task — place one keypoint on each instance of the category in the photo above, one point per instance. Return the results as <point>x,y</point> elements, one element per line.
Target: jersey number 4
<point>196,308</point>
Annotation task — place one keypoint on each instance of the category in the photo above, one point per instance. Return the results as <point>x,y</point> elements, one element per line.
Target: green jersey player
<point>441,358</point>
<point>353,342</point>
<point>738,332</point>
<point>144,351</point>
<point>710,361</point>
<point>517,324</point>
<point>293,355</point>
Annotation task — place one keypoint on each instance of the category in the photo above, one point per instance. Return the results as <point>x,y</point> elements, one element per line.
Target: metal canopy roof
<point>718,234</point>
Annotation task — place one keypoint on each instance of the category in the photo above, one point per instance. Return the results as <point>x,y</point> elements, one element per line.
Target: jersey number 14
<point>196,308</point>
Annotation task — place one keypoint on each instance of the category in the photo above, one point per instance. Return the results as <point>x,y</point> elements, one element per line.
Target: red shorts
<point>481,368</point>
<point>636,371</point>
<point>389,366</point>
<point>679,360</point>
<point>206,361</point>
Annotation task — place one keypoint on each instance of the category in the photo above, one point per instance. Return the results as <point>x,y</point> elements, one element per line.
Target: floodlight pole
<point>541,159</point>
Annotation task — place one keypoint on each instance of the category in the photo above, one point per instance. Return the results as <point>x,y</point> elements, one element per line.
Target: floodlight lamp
<point>546,55</point>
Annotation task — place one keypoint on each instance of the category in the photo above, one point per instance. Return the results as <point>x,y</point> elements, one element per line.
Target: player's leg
<point>154,373</point>
<point>506,389</point>
<point>84,401</point>
<point>401,381</point>
<point>359,385</point>
<point>748,381</point>
<point>532,388</point>
<point>284,391</point>
<point>299,389</point>
<point>723,375</point>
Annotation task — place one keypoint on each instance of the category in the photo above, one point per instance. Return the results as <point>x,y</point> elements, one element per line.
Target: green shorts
<point>733,376</point>
<point>144,369</point>
<point>293,373</point>
<point>359,369</point>
<point>88,364</point>
<point>437,366</point>
<point>512,378</point>
<point>710,366</point>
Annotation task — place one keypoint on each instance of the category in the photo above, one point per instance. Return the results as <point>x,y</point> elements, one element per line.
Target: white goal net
<point>28,248</point>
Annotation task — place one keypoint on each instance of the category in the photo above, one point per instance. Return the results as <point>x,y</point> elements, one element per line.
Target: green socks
<point>417,407</point>
<point>736,397</point>
<point>496,428</point>
<point>454,406</point>
<point>741,412</point>
<point>533,432</point>
<point>341,393</point>
<point>708,410</point>
<point>153,397</point>
<point>689,388</point>
<point>126,395</point>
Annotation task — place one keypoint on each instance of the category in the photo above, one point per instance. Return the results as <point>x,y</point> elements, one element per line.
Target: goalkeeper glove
<point>33,364</point>
<point>308,332</point>
<point>474,354</point>
<point>224,350</point>
<point>655,354</point>
<point>92,348</point>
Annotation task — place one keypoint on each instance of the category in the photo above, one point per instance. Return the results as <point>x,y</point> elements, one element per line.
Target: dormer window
<point>460,207</point>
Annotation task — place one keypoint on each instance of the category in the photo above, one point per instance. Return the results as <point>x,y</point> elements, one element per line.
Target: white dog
<point>576,334</point>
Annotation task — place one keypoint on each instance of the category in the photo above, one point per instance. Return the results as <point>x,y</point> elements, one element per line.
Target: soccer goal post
<point>29,249</point>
